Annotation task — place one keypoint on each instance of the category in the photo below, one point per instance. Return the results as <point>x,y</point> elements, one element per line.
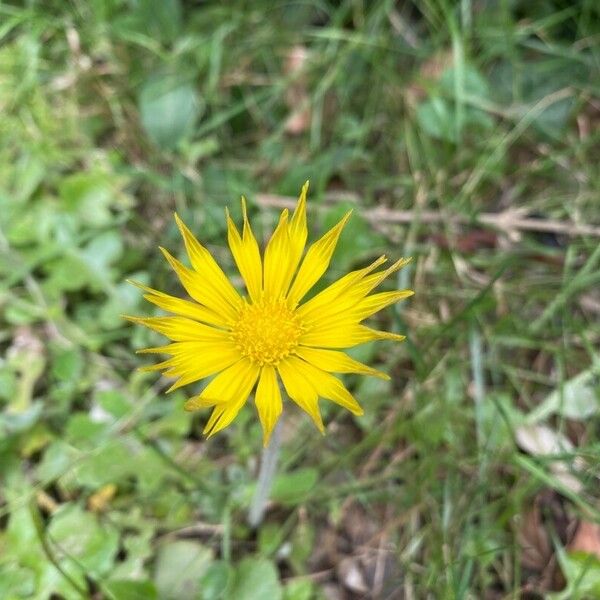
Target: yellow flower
<point>269,334</point>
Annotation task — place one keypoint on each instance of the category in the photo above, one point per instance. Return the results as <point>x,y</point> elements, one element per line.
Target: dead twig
<point>509,220</point>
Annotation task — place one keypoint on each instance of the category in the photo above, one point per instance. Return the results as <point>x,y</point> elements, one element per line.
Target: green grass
<point>115,114</point>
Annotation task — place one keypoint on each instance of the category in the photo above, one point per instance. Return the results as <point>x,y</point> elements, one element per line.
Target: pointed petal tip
<point>380,375</point>
<point>405,260</point>
<point>149,368</point>
<point>191,405</point>
<point>303,193</point>
<point>132,319</point>
<point>396,337</point>
<point>144,351</point>
<point>173,387</point>
<point>180,224</point>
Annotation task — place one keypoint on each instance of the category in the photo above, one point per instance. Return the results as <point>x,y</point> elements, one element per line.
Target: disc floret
<point>267,331</point>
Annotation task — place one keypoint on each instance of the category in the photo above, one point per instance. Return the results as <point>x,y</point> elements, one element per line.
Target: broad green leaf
<point>16,581</point>
<point>582,572</point>
<point>58,458</point>
<point>131,590</point>
<point>473,83</point>
<point>169,109</point>
<point>293,487</point>
<point>214,584</point>
<point>299,589</point>
<point>114,403</point>
<point>179,569</point>
<point>67,365</point>
<point>84,432</point>
<point>110,463</point>
<point>88,195</point>
<point>578,398</point>
<point>256,579</point>
<point>75,534</point>
<point>436,117</point>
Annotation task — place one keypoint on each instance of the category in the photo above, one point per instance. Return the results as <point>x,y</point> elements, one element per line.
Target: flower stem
<point>268,468</point>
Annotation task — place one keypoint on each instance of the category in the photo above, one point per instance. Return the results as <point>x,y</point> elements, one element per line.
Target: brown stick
<point>506,220</point>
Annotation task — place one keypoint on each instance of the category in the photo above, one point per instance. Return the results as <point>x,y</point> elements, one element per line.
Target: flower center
<point>267,331</point>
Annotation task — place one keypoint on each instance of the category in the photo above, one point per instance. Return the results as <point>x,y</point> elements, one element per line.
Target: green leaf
<point>473,83</point>
<point>103,250</point>
<point>114,403</point>
<point>582,572</point>
<point>303,542</point>
<point>131,590</point>
<point>111,463</point>
<point>88,196</point>
<point>57,459</point>
<point>256,579</point>
<point>16,582</point>
<point>67,365</point>
<point>436,117</point>
<point>159,18</point>
<point>179,569</point>
<point>169,109</point>
<point>215,582</point>
<point>270,536</point>
<point>77,535</point>
<point>293,487</point>
<point>299,589</point>
<point>578,398</point>
<point>84,432</point>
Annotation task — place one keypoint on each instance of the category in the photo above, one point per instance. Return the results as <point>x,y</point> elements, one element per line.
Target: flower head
<point>272,333</point>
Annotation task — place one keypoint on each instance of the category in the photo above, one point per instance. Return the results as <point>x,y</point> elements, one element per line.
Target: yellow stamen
<point>267,331</point>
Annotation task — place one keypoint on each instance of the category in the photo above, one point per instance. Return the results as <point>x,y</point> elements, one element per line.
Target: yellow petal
<point>181,329</point>
<point>197,361</point>
<point>332,293</point>
<point>325,384</point>
<point>315,262</point>
<point>298,232</point>
<point>268,401</point>
<point>192,361</point>
<point>277,260</point>
<point>201,289</point>
<point>223,414</point>
<point>179,306</point>
<point>348,298</point>
<point>182,349</point>
<point>341,315</point>
<point>230,385</point>
<point>206,266</point>
<point>372,281</point>
<point>336,362</point>
<point>346,336</point>
<point>301,391</point>
<point>246,254</point>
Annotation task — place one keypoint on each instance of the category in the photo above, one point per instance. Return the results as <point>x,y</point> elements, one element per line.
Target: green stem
<point>268,468</point>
